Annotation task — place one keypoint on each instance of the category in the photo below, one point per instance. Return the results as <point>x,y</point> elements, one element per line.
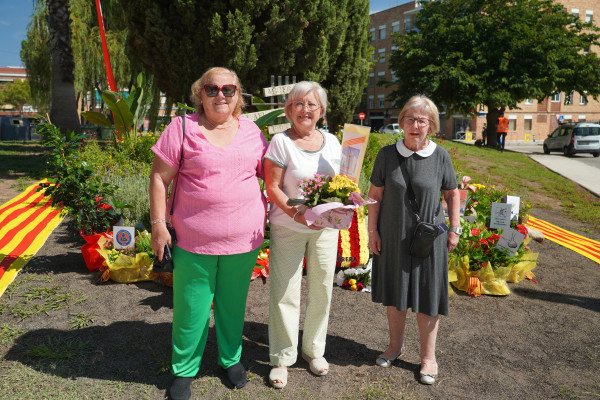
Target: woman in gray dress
<point>400,281</point>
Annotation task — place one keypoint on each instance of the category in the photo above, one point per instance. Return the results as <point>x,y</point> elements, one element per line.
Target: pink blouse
<point>219,207</point>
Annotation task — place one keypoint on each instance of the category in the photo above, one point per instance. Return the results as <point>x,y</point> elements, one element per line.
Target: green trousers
<point>198,280</point>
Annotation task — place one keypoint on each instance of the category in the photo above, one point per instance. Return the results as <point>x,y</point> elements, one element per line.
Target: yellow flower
<point>341,182</point>
<point>352,282</point>
<point>353,287</point>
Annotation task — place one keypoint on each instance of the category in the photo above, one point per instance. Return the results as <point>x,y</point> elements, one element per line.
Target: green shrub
<point>132,181</point>
<point>376,142</point>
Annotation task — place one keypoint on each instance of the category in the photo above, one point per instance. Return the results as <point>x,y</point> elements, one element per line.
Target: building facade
<point>10,75</point>
<point>532,121</point>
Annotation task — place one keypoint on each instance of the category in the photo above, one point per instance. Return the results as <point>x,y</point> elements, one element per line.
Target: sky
<point>15,15</point>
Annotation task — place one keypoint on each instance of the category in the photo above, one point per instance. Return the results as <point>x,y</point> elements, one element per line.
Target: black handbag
<point>425,233</point>
<point>166,265</point>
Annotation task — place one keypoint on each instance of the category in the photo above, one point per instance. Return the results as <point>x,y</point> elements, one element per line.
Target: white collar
<point>406,152</point>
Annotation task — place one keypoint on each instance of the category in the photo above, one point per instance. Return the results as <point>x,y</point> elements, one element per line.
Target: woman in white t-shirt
<point>300,152</point>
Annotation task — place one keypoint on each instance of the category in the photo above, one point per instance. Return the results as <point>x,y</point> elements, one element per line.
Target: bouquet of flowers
<point>331,201</point>
<point>357,279</point>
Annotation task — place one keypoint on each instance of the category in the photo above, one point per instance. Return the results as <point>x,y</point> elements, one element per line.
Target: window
<point>395,26</point>
<point>589,15</point>
<point>569,99</point>
<point>371,101</point>
<point>575,12</point>
<point>407,24</point>
<point>482,107</point>
<point>512,123</point>
<point>528,123</point>
<point>393,73</point>
<point>372,34</point>
<point>381,55</point>
<point>583,99</point>
<point>371,79</point>
<point>381,100</point>
<point>382,32</point>
<point>380,77</point>
<point>528,102</point>
<point>555,97</point>
<point>581,118</point>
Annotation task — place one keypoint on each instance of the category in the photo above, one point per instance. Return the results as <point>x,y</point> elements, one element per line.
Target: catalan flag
<point>579,244</point>
<point>25,223</point>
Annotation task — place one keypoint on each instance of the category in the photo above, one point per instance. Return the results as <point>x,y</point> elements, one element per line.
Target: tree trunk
<point>63,112</point>
<point>492,125</point>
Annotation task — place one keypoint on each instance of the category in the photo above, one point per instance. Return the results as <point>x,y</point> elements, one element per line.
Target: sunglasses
<point>213,90</point>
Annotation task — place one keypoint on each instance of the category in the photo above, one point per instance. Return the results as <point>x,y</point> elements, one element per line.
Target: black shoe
<point>237,375</point>
<point>180,388</point>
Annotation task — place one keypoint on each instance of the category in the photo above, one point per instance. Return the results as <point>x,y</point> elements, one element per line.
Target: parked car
<point>581,137</point>
<point>391,128</point>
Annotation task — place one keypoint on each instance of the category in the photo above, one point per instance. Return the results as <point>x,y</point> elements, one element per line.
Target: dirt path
<point>539,342</point>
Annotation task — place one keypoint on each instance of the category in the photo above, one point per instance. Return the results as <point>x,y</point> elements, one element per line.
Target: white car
<point>582,137</point>
<point>391,128</point>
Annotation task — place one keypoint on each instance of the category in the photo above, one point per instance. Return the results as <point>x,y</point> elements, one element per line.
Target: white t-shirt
<point>299,164</point>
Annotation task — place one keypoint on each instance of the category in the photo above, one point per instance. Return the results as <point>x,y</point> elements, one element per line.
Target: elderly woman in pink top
<point>219,216</point>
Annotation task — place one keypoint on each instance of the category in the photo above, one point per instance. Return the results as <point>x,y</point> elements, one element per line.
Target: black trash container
<point>15,128</point>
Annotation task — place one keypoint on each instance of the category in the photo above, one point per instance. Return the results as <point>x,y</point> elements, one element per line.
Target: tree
<point>16,94</point>
<point>497,53</point>
<point>325,41</point>
<point>35,54</point>
<point>63,112</point>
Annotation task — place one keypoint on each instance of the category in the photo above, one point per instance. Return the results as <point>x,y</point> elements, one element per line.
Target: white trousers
<point>288,249</point>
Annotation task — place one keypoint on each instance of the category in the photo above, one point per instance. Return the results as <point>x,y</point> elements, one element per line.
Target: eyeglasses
<point>421,122</point>
<point>213,90</point>
<point>299,106</point>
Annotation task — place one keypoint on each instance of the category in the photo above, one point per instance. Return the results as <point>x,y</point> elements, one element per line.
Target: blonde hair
<point>299,91</point>
<point>198,87</point>
<point>424,102</point>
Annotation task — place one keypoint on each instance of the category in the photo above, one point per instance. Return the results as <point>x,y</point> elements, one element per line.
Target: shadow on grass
<point>588,303</point>
<point>140,352</point>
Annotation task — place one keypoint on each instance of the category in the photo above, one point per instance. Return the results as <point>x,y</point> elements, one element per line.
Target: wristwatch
<point>456,229</point>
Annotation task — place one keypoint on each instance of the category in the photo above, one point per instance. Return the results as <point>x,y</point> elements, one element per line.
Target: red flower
<point>522,229</point>
<point>345,284</point>
<point>495,236</point>
<point>475,232</point>
<point>359,286</point>
<point>482,241</point>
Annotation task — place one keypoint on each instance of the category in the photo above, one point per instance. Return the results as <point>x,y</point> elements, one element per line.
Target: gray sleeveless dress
<point>397,278</point>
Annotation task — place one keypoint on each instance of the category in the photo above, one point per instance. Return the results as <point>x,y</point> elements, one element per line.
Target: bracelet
<point>294,217</point>
<point>157,221</point>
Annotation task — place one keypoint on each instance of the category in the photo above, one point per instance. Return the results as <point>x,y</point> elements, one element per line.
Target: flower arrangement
<point>131,264</point>
<point>331,201</point>
<point>476,265</point>
<point>357,279</point>
<point>322,189</point>
<point>479,244</point>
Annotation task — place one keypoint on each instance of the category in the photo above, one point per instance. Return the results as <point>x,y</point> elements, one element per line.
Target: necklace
<point>213,126</point>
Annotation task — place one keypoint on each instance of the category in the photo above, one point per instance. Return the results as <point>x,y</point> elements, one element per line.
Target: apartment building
<point>10,75</point>
<point>533,120</point>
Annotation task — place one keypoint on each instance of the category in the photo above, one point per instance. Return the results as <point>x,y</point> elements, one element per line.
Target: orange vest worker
<point>502,125</point>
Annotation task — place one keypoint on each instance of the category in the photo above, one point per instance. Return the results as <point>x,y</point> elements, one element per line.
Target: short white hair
<point>299,91</point>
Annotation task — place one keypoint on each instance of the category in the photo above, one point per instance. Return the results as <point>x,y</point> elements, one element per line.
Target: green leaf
<point>268,119</point>
<point>96,118</point>
<point>183,106</point>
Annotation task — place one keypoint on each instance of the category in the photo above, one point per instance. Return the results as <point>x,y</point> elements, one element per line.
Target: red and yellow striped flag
<point>579,244</point>
<point>25,223</point>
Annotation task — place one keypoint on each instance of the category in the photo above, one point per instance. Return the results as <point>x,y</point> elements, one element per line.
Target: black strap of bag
<point>178,169</point>
<point>411,194</point>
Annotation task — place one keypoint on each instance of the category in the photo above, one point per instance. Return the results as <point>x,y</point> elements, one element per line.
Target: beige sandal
<point>278,377</point>
<point>318,366</point>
